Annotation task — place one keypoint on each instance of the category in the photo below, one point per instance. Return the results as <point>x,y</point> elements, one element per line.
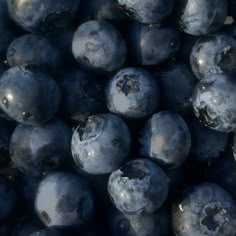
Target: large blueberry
<point>28,95</point>
<point>82,96</point>
<point>155,224</point>
<point>64,200</point>
<point>147,11</point>
<point>43,15</point>
<point>206,209</point>
<point>152,44</point>
<point>214,102</point>
<point>199,17</point>
<point>223,173</point>
<point>132,93</point>
<point>99,46</point>
<point>36,150</point>
<point>39,52</point>
<point>207,144</point>
<point>213,54</point>
<point>166,139</point>
<point>7,198</point>
<point>25,228</point>
<point>101,10</point>
<point>101,143</point>
<point>139,187</point>
<point>176,83</point>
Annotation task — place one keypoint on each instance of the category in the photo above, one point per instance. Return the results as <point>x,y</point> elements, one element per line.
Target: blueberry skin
<point>39,52</point>
<point>166,139</point>
<point>152,44</point>
<point>132,93</point>
<point>47,232</point>
<point>97,45</point>
<point>43,15</point>
<point>36,150</point>
<point>6,29</point>
<point>213,54</point>
<point>154,224</point>
<point>207,144</point>
<point>25,228</point>
<point>223,173</point>
<point>101,144</point>
<point>206,209</point>
<point>82,95</point>
<point>214,102</point>
<point>199,17</point>
<point>64,200</point>
<point>139,187</point>
<point>147,11</point>
<point>101,10</point>
<point>7,198</point>
<point>177,84</point>
<point>29,95</point>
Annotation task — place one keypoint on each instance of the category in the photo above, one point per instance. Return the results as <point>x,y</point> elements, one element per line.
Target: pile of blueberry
<point>117,118</point>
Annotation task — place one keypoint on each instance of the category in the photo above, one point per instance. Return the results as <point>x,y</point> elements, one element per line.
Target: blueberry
<point>152,44</point>
<point>82,96</point>
<point>101,10</point>
<point>214,102</point>
<point>25,228</point>
<point>213,54</point>
<point>36,150</point>
<point>99,46</point>
<point>166,139</point>
<point>132,93</point>
<point>147,11</point>
<point>232,8</point>
<point>207,144</point>
<point>176,83</point>
<point>28,95</point>
<point>6,29</point>
<point>47,232</point>
<point>199,17</point>
<point>39,52</point>
<point>101,144</point>
<point>43,15</point>
<point>206,209</point>
<point>64,200</point>
<point>223,173</point>
<point>139,187</point>
<point>7,198</point>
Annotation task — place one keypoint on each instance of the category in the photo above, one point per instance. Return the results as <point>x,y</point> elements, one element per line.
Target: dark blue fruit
<point>166,139</point>
<point>176,83</point>
<point>6,30</point>
<point>207,144</point>
<point>47,232</point>
<point>214,102</point>
<point>205,209</point>
<point>64,200</point>
<point>39,52</point>
<point>101,10</point>
<point>99,46</point>
<point>101,144</point>
<point>36,150</point>
<point>152,44</point>
<point>223,173</point>
<point>147,11</point>
<point>43,15</point>
<point>28,95</point>
<point>213,54</point>
<point>25,228</point>
<point>82,96</point>
<point>132,93</point>
<point>156,224</point>
<point>139,187</point>
<point>199,17</point>
<point>7,198</point>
